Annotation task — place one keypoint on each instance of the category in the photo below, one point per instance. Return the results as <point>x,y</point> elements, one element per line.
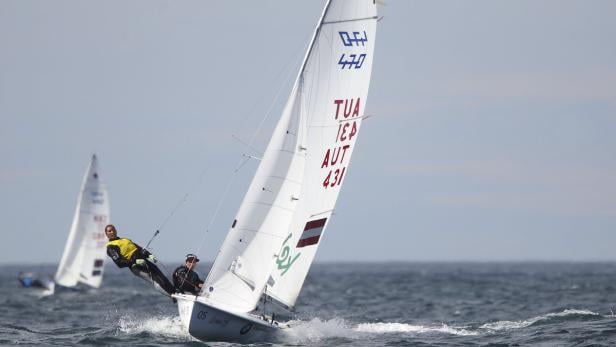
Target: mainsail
<point>281,220</point>
<point>84,253</point>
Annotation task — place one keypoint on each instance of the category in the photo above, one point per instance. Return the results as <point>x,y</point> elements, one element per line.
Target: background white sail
<point>84,254</point>
<point>292,187</point>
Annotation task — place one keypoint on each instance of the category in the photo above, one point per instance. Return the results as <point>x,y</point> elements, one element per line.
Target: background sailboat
<point>280,223</point>
<point>84,254</point>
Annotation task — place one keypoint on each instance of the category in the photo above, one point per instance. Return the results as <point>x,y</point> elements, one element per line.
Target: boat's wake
<point>316,329</point>
<point>161,326</point>
<point>410,328</point>
<point>543,319</point>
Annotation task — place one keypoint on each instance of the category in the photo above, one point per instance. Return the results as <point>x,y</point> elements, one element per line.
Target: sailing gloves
<point>150,258</point>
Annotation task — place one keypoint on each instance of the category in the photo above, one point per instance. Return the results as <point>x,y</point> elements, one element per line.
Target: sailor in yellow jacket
<point>126,253</point>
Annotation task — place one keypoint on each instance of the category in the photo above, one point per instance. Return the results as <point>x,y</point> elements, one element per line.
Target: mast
<point>313,40</point>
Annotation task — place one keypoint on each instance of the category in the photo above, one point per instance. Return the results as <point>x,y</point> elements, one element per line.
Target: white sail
<point>84,254</point>
<point>299,178</point>
<point>245,260</point>
<point>335,86</point>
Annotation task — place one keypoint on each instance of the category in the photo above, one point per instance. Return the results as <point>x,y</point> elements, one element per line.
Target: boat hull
<point>208,323</point>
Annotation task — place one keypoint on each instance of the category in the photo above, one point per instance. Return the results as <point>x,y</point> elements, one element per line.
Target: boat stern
<point>208,323</point>
<point>185,308</point>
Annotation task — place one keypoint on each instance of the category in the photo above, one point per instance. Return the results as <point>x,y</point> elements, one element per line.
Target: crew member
<point>185,279</point>
<point>29,280</point>
<point>126,253</point>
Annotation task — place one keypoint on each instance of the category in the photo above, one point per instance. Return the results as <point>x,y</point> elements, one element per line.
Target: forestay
<point>281,220</point>
<point>84,253</point>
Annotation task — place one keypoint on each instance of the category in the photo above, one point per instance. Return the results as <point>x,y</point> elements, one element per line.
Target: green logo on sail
<point>284,257</point>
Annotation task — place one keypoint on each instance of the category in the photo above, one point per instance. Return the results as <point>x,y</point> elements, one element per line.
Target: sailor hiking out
<point>126,253</point>
<point>185,279</point>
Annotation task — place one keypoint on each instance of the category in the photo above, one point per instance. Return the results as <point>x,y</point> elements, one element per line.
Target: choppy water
<point>420,304</point>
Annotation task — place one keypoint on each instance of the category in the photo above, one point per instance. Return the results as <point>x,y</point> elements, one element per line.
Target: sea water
<point>393,304</point>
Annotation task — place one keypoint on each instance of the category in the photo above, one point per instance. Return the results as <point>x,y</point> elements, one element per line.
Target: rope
<point>221,201</point>
<point>177,206</point>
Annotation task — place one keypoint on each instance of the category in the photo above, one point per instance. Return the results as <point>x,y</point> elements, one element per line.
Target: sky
<point>491,136</point>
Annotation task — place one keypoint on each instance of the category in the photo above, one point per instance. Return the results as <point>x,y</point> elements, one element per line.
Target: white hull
<point>208,323</point>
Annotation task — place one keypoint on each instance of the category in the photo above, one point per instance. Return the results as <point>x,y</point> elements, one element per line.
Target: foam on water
<point>507,325</point>
<point>317,329</point>
<point>163,326</point>
<point>409,328</point>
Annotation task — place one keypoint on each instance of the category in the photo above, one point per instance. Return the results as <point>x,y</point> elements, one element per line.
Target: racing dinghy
<point>84,254</point>
<point>272,242</point>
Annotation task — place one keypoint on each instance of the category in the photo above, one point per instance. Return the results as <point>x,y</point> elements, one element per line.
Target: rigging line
<point>221,201</point>
<point>267,115</point>
<point>184,198</point>
<point>177,206</point>
<point>285,72</point>
<point>241,163</point>
<point>280,74</point>
<point>247,145</point>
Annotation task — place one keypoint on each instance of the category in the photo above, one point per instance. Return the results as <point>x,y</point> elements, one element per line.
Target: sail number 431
<point>334,178</point>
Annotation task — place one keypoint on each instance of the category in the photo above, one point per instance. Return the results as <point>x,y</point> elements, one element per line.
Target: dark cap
<point>191,257</point>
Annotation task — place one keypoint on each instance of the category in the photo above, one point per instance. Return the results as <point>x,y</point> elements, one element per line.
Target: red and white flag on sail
<point>312,233</point>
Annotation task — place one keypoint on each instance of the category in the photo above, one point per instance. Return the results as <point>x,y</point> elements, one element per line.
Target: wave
<point>508,325</point>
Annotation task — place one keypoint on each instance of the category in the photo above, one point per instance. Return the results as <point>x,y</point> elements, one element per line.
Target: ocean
<point>345,304</point>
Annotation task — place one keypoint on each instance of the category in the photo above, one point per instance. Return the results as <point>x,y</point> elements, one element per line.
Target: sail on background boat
<point>281,220</point>
<point>84,253</point>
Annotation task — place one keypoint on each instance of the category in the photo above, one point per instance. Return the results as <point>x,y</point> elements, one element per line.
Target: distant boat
<point>32,280</point>
<point>273,240</point>
<point>84,254</point>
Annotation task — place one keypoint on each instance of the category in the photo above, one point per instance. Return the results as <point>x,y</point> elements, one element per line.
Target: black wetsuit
<point>186,281</point>
<point>146,271</point>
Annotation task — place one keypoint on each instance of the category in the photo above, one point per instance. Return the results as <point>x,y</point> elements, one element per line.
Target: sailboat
<point>273,240</point>
<point>84,254</point>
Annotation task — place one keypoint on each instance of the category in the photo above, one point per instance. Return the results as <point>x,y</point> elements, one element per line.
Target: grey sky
<point>492,136</point>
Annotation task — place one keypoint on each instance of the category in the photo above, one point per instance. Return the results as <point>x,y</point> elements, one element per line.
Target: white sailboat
<point>273,240</point>
<point>84,254</point>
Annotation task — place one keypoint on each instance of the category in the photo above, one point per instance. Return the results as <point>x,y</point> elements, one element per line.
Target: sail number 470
<point>334,177</point>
